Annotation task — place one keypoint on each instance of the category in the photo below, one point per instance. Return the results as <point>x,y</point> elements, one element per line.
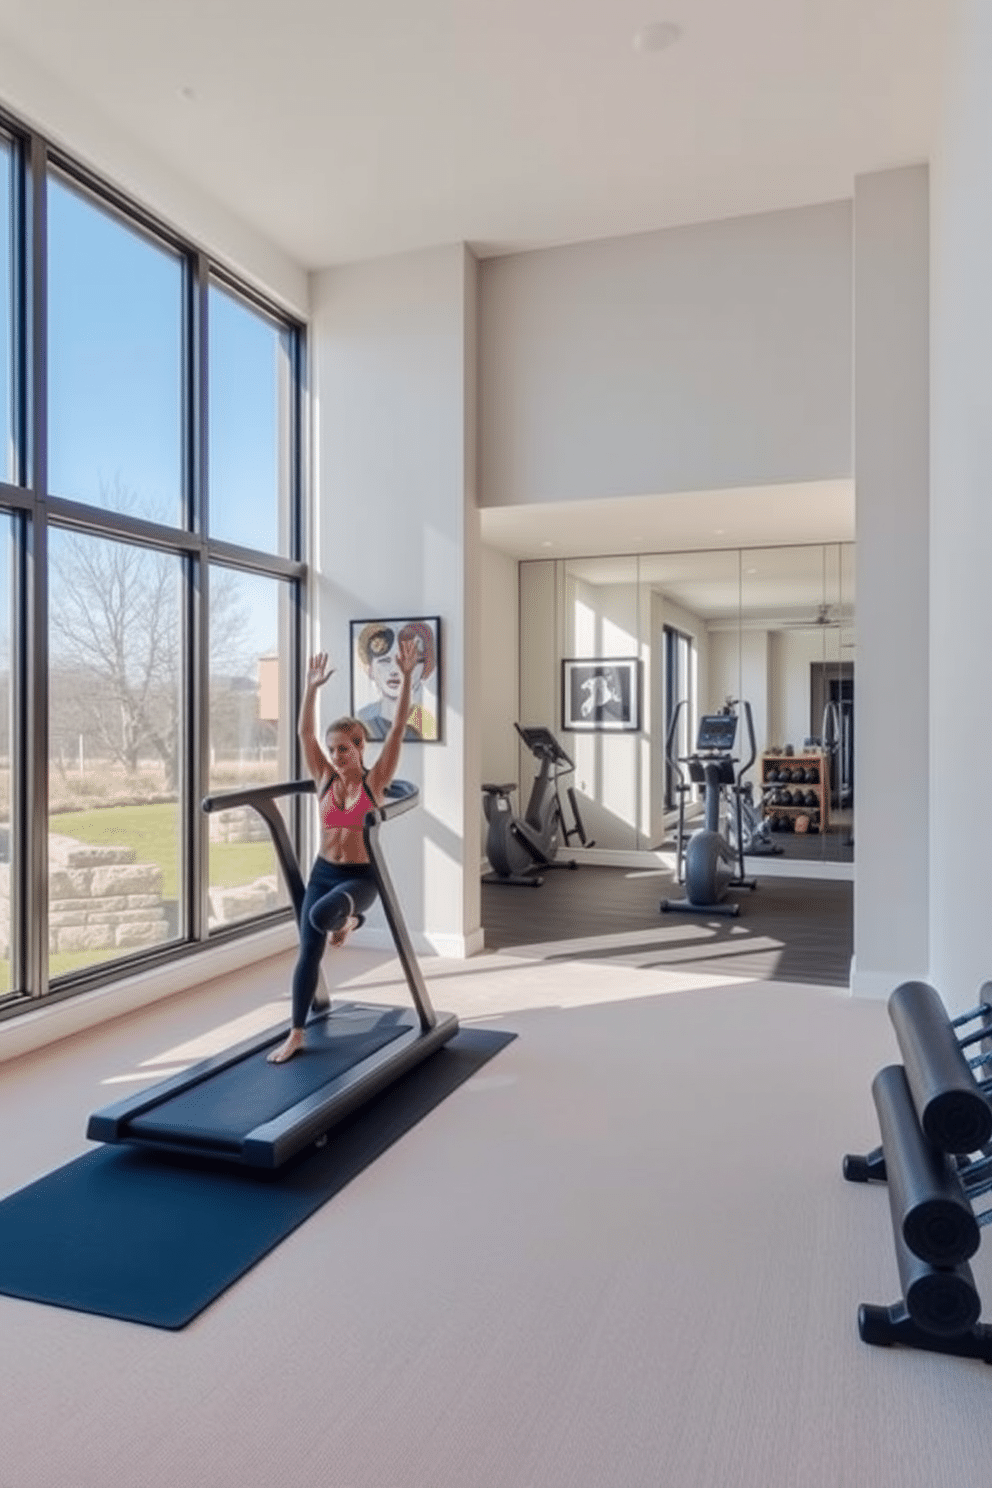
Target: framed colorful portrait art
<point>376,679</point>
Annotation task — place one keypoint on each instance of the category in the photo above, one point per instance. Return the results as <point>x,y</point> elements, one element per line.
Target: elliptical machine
<point>518,847</point>
<point>756,829</point>
<point>707,864</point>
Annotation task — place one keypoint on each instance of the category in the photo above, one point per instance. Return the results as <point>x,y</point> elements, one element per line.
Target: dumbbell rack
<point>771,764</point>
<point>935,1119</point>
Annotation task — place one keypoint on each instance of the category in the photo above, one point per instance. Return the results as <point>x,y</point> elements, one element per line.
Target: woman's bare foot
<point>340,936</point>
<point>291,1045</point>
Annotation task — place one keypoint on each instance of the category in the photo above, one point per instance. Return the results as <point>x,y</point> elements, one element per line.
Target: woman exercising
<point>341,885</point>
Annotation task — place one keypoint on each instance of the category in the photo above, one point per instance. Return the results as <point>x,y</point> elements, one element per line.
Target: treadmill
<point>238,1108</point>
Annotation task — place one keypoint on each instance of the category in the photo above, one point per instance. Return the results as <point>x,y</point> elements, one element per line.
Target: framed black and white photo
<point>601,696</point>
<point>376,679</point>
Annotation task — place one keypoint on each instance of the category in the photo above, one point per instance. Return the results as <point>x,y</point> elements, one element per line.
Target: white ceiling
<point>770,556</point>
<point>344,130</point>
<point>814,512</point>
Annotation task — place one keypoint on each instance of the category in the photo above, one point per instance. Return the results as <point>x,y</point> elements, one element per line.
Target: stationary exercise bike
<point>518,847</point>
<point>707,863</point>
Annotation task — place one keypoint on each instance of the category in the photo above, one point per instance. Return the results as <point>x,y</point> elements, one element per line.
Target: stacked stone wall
<point>241,902</point>
<point>238,824</point>
<point>100,898</point>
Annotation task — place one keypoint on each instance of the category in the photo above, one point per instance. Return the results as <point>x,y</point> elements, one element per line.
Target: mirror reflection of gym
<point>798,608</point>
<point>774,626</point>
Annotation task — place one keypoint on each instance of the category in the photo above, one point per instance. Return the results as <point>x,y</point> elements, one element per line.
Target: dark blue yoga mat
<point>141,1237</point>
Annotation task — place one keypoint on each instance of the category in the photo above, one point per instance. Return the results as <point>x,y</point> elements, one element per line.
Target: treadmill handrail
<point>262,798</point>
<point>249,795</point>
<point>396,805</point>
<point>390,903</point>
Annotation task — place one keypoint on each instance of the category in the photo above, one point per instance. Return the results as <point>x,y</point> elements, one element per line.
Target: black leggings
<point>335,892</point>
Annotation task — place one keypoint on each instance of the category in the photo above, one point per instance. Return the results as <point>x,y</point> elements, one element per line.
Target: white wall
<point>724,670</point>
<point>961,520</point>
<point>702,357</point>
<point>795,653</point>
<point>500,626</point>
<point>755,676</point>
<point>393,344</point>
<point>892,419</point>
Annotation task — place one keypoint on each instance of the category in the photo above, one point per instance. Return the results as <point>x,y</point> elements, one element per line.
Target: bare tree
<point>116,615</point>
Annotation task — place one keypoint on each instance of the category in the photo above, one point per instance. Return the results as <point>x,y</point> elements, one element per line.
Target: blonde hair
<point>354,728</point>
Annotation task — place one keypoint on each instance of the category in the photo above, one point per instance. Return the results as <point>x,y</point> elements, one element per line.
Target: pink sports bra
<point>333,815</point>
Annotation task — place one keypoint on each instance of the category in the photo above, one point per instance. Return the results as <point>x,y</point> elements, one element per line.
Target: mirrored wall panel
<point>797,629</point>
<point>623,657</point>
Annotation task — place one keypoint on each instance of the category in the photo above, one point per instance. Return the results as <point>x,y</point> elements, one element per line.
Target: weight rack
<point>935,1120</point>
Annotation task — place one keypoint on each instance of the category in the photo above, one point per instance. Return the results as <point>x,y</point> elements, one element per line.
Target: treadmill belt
<point>245,1095</point>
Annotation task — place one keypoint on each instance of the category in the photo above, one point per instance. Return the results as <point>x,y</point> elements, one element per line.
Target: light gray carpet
<point>622,1256</point>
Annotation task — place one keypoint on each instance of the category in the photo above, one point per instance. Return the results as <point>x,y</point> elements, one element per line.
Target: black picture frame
<point>601,695</point>
<point>373,640</point>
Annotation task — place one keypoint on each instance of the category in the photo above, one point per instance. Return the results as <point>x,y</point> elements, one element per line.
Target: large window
<point>115,736</point>
<point>7,219</point>
<point>250,736</point>
<point>7,881</point>
<point>115,374</point>
<point>151,582</point>
<point>250,424</point>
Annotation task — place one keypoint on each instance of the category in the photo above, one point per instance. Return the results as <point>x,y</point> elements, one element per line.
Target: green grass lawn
<point>153,832</point>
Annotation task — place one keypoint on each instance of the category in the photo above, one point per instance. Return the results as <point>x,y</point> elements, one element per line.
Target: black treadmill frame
<point>273,1142</point>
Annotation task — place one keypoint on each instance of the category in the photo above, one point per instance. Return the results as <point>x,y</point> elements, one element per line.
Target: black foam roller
<point>952,1111</point>
<point>942,1302</point>
<point>926,1197</point>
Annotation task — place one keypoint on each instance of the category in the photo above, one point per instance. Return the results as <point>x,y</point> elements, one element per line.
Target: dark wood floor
<point>788,929</point>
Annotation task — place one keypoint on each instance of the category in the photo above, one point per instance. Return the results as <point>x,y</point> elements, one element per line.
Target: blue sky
<point>5,312</point>
<point>115,351</point>
<point>115,302</point>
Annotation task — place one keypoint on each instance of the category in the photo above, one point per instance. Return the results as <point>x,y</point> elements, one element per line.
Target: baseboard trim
<point>879,985</point>
<point>38,1027</point>
<point>756,867</point>
<point>454,947</point>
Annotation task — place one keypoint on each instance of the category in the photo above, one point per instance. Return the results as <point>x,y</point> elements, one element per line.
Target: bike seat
<point>500,790</point>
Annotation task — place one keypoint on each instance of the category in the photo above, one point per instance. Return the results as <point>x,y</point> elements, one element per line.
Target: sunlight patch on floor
<point>217,1040</point>
<point>508,982</point>
<point>159,1073</point>
<point>679,932</point>
<point>665,956</point>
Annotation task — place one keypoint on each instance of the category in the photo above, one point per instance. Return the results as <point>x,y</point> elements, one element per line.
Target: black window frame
<point>34,510</point>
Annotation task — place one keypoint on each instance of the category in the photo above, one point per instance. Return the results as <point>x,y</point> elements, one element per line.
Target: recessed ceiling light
<point>656,36</point>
